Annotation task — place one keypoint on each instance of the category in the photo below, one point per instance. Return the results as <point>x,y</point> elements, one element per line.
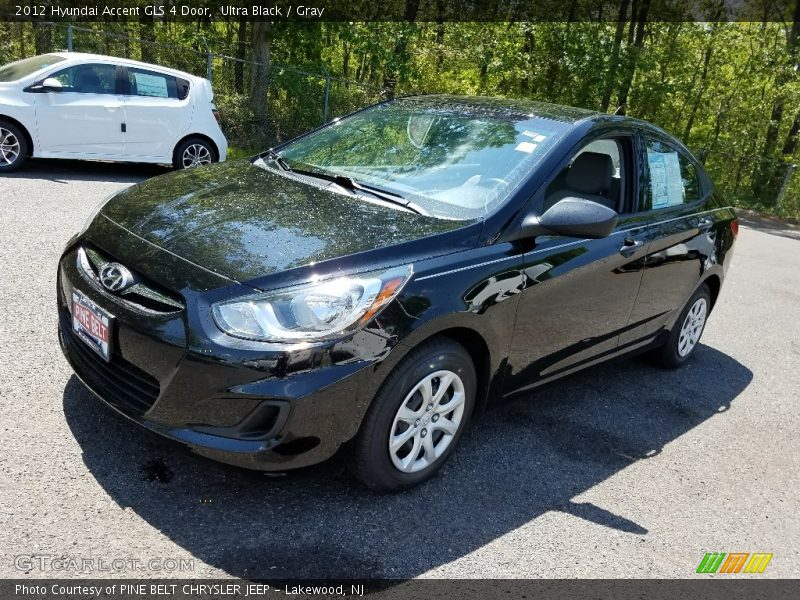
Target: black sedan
<point>372,285</point>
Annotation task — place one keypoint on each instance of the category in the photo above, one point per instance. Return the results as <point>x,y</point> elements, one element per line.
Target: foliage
<point>729,90</point>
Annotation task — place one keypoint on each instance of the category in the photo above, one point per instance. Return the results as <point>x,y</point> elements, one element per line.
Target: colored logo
<point>734,562</point>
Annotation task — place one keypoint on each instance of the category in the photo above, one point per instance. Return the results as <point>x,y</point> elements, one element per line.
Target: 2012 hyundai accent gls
<point>375,283</point>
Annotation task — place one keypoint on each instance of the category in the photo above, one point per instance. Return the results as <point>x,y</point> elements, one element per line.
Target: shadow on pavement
<point>515,463</point>
<point>769,225</point>
<point>62,171</point>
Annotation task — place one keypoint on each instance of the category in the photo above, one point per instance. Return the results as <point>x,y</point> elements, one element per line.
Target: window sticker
<point>537,137</point>
<point>666,185</point>
<point>151,85</point>
<point>525,147</point>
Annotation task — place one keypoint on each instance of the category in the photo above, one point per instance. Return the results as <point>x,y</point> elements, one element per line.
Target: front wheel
<point>13,147</point>
<point>685,334</point>
<point>417,417</point>
<point>194,152</point>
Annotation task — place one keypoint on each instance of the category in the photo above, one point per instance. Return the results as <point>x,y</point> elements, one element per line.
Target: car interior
<point>594,173</point>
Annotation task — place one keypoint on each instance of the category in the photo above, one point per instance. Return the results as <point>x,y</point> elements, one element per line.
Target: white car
<point>87,106</point>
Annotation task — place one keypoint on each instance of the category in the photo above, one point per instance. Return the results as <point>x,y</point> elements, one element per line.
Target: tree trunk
<point>241,47</point>
<point>613,63</point>
<point>259,82</point>
<point>439,34</point>
<point>699,96</point>
<point>148,35</point>
<point>400,50</point>
<point>638,41</point>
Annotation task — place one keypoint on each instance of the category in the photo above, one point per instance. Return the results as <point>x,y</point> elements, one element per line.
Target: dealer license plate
<point>92,324</point>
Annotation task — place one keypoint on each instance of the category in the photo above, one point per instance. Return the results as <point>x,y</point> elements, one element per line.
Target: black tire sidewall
<point>23,147</point>
<point>376,468</point>
<point>669,352</point>
<point>177,160</point>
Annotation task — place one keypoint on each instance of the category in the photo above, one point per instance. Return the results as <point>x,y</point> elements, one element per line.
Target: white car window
<point>151,84</point>
<point>88,78</point>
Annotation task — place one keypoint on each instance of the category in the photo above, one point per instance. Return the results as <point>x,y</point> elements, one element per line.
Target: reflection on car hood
<point>243,222</point>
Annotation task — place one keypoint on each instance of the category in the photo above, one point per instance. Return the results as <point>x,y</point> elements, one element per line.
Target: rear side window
<point>156,85</point>
<point>673,177</point>
<point>88,79</point>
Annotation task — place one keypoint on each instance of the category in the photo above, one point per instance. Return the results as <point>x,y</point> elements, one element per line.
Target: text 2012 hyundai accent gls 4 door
<point>375,283</point>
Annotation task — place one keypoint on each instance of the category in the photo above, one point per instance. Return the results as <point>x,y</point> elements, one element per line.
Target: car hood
<point>244,222</point>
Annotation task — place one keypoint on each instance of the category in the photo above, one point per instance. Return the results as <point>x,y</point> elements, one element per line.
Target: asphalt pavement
<point>624,470</point>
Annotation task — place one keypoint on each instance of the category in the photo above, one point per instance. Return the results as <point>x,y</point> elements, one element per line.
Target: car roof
<point>83,56</point>
<point>523,107</point>
<point>513,107</point>
<point>518,108</point>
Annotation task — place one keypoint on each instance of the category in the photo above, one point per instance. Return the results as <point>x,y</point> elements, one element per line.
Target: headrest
<point>591,173</point>
<point>88,77</point>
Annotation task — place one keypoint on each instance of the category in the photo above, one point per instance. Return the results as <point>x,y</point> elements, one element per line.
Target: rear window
<point>156,85</point>
<point>22,68</point>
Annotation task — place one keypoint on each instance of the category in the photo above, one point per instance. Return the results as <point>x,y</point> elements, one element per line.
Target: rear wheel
<point>417,418</point>
<point>685,334</point>
<point>194,152</point>
<point>13,147</point>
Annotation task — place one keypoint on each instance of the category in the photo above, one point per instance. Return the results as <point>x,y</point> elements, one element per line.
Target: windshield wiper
<point>277,158</point>
<point>351,184</point>
<point>346,182</point>
<point>385,195</point>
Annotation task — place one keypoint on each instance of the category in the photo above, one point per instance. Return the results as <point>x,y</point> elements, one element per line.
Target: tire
<point>437,361</point>
<point>14,148</point>
<point>686,333</point>
<point>194,152</point>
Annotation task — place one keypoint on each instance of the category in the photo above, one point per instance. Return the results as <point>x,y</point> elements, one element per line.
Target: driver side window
<point>594,173</point>
<point>88,79</point>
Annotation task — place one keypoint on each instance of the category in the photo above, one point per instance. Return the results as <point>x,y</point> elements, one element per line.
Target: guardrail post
<point>327,96</point>
<point>69,37</point>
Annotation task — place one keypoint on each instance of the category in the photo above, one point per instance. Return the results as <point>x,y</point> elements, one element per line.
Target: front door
<point>579,293</point>
<point>85,118</point>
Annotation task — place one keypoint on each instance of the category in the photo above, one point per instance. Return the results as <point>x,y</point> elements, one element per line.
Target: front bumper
<point>247,404</point>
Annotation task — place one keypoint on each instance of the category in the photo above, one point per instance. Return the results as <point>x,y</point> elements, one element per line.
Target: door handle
<point>112,107</point>
<point>629,246</point>
<point>704,223</point>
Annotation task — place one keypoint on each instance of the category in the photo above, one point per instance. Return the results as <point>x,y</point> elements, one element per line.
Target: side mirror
<point>52,84</point>
<point>574,217</point>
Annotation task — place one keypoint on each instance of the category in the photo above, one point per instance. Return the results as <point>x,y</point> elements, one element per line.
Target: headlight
<point>311,311</point>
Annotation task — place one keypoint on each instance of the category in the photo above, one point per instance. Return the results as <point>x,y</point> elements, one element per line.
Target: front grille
<point>121,384</point>
<point>143,294</point>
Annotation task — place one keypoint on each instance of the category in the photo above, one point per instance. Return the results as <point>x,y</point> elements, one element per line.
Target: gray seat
<point>590,177</point>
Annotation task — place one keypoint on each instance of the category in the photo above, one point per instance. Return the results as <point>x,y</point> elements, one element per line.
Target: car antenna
<point>620,109</point>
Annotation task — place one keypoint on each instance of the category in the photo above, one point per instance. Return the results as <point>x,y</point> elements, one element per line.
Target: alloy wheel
<point>9,147</point>
<point>195,155</point>
<point>692,327</point>
<point>427,421</point>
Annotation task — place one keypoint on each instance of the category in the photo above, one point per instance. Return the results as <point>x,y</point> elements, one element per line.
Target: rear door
<point>674,203</point>
<point>86,117</point>
<point>158,112</point>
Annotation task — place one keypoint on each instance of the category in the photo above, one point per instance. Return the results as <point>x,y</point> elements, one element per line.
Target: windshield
<point>22,68</point>
<point>455,161</point>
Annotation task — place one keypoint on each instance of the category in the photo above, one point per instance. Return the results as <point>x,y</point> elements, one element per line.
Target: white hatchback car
<point>87,106</point>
